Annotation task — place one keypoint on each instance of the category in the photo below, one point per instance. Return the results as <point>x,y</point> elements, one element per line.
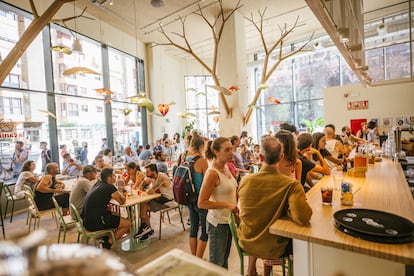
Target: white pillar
<point>232,70</point>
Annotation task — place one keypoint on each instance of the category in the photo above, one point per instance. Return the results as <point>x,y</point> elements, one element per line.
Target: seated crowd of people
<point>289,163</point>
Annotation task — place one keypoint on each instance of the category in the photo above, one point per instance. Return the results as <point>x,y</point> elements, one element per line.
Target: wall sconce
<point>343,35</point>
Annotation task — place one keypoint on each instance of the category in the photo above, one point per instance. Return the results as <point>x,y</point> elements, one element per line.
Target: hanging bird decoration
<point>62,49</point>
<point>75,70</point>
<point>234,88</point>
<point>163,109</point>
<point>142,101</point>
<point>48,113</point>
<point>104,91</point>
<point>126,111</point>
<point>213,111</point>
<point>273,100</point>
<point>108,100</point>
<point>186,115</point>
<point>216,119</point>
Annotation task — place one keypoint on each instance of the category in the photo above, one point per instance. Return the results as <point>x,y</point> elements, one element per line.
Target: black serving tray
<point>373,223</point>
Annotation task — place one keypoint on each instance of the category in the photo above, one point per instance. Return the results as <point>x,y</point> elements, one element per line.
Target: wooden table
<point>321,249</point>
<point>132,205</point>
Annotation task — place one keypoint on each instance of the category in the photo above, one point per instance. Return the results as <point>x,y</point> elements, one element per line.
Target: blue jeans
<point>219,244</point>
<point>198,218</point>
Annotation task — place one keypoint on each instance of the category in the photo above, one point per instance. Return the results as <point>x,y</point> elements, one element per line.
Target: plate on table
<point>374,223</point>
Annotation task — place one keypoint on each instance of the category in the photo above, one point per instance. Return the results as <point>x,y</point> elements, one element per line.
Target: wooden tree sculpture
<point>268,50</point>
<point>217,27</point>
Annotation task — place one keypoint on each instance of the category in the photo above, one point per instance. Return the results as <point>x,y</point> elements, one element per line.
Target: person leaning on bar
<point>264,197</point>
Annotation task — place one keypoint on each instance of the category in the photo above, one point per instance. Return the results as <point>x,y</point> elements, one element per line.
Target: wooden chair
<point>10,198</point>
<point>34,214</point>
<point>172,206</point>
<point>234,224</point>
<point>86,235</point>
<point>65,222</point>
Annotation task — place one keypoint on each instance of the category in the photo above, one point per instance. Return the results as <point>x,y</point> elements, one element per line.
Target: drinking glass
<point>326,193</point>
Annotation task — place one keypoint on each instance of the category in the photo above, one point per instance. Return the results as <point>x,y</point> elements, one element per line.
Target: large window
<point>298,84</point>
<point>28,72</point>
<point>202,102</point>
<point>81,112</point>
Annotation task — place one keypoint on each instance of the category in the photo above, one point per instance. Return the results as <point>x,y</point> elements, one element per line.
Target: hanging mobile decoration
<point>163,108</point>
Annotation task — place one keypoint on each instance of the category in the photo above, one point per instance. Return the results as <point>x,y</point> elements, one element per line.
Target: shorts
<point>158,204</point>
<point>108,221</point>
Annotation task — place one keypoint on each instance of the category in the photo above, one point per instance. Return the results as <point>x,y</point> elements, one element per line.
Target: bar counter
<point>322,249</point>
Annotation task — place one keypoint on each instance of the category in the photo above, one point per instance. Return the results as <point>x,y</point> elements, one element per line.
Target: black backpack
<point>184,190</point>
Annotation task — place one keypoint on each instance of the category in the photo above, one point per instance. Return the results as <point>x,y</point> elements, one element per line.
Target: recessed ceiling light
<point>157,3</point>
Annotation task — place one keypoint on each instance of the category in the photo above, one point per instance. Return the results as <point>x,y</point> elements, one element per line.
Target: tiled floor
<point>173,236</point>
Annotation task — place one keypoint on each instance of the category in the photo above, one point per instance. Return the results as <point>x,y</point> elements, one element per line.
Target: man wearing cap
<point>82,187</point>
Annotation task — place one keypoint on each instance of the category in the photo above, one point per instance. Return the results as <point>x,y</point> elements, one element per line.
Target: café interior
<point>74,72</point>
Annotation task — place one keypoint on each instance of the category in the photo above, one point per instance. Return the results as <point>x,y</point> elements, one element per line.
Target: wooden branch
<point>34,10</point>
<point>28,36</point>
<point>284,32</point>
<point>63,20</point>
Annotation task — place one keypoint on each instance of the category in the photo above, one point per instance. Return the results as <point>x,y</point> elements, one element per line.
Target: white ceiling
<point>124,14</point>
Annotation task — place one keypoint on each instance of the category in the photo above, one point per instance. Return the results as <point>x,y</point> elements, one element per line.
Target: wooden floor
<point>173,236</point>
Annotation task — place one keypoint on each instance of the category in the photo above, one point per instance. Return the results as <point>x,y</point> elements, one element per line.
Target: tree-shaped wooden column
<point>268,51</point>
<point>217,27</point>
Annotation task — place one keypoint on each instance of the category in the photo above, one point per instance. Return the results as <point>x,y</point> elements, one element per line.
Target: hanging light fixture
<point>76,45</point>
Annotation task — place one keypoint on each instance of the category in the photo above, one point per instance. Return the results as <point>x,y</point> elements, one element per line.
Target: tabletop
<point>384,188</point>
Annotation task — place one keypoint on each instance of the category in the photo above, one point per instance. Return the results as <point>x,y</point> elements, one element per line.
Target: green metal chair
<point>234,224</point>
<point>1,212</point>
<point>86,235</point>
<point>34,214</point>
<point>65,222</point>
<point>10,198</point>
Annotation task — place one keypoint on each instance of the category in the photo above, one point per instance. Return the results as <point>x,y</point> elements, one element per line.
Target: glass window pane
<point>309,112</point>
<point>375,62</point>
<point>73,131</point>
<point>126,122</point>
<point>201,100</point>
<point>90,57</point>
<point>28,72</point>
<point>21,119</point>
<point>123,74</point>
<point>397,60</point>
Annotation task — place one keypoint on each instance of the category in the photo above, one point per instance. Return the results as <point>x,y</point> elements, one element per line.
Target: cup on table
<point>326,193</point>
<point>338,178</point>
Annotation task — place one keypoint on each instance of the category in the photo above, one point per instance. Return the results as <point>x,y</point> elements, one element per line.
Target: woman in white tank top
<point>218,195</point>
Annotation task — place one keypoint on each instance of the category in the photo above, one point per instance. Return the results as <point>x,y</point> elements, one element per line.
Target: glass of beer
<point>327,193</point>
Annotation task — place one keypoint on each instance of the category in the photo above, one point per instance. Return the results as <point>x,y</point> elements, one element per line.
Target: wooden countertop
<point>384,188</point>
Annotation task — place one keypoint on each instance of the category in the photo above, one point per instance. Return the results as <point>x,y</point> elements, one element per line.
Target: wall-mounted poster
<point>400,121</point>
<point>387,122</point>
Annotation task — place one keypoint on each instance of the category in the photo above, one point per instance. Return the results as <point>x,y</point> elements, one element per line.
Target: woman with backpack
<point>197,215</point>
